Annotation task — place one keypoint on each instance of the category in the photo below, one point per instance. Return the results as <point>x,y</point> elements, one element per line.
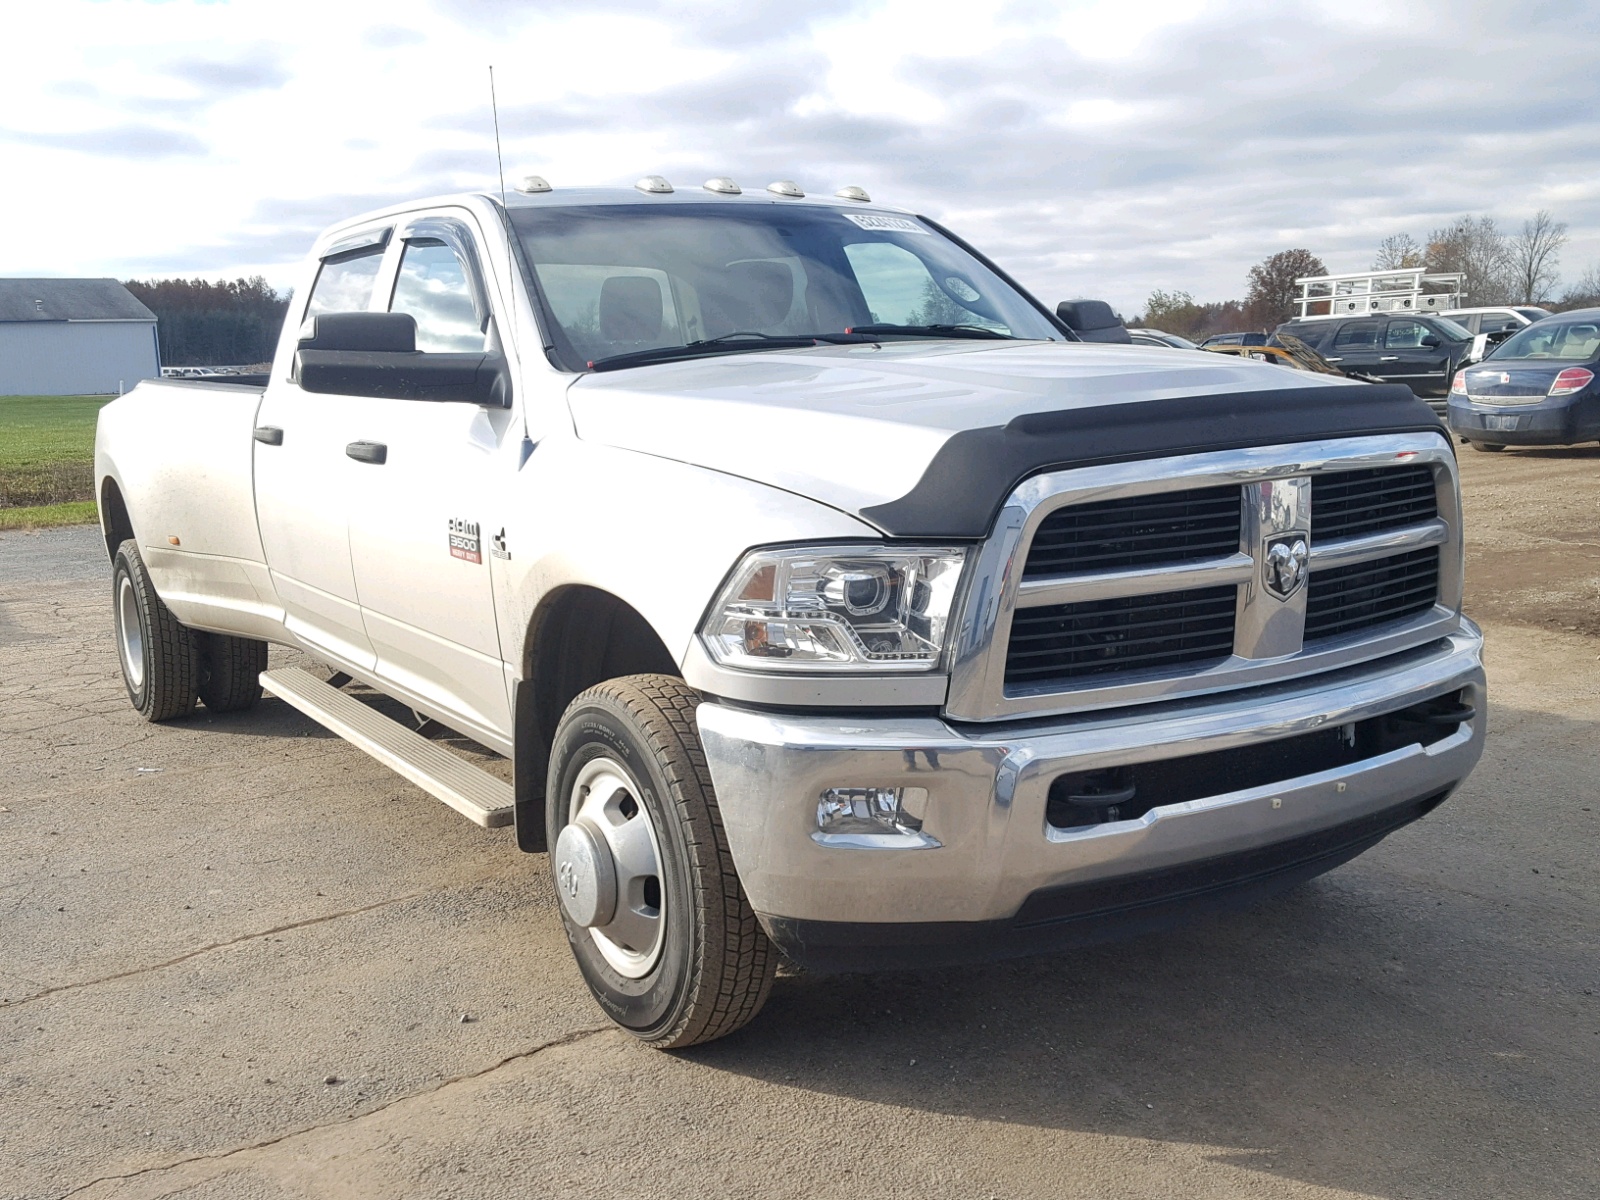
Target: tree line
<point>1499,268</point>
<point>203,324</point>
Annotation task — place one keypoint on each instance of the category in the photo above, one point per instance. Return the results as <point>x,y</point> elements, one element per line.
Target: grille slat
<point>1351,503</point>
<point>1138,531</point>
<point>1127,633</point>
<point>1364,595</point>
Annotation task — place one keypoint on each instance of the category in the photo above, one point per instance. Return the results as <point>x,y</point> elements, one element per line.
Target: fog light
<point>872,810</point>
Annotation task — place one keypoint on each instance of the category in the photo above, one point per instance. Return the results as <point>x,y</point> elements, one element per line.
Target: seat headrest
<point>765,289</point>
<point>630,309</point>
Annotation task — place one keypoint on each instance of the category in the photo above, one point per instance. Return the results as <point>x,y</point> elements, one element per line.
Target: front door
<point>421,522</point>
<point>1356,347</point>
<point>302,476</point>
<point>1406,359</point>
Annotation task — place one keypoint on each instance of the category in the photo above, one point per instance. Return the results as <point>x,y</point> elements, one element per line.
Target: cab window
<point>345,282</point>
<point>433,286</point>
<point>1405,335</point>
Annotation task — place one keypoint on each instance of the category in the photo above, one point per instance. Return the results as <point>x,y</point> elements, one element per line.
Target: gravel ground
<point>243,960</point>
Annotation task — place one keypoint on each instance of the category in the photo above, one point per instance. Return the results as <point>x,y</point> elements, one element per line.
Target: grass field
<point>47,460</point>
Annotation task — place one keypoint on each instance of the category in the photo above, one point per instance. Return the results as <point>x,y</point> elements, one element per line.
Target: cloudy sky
<point>1093,148</point>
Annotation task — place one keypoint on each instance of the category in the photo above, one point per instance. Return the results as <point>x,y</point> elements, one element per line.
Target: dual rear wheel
<point>166,665</point>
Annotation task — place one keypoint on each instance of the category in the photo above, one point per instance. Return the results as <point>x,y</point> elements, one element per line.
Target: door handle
<point>368,452</point>
<point>1340,359</point>
<point>269,435</point>
<point>1388,358</point>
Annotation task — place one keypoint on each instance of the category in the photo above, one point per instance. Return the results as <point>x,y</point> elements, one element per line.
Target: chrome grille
<point>1365,595</point>
<point>1132,582</point>
<point>1137,531</point>
<point>1070,641</point>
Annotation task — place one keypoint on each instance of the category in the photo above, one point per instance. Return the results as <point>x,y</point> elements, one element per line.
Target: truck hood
<point>857,426</point>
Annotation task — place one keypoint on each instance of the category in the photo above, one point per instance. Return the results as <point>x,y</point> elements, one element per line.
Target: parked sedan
<point>1143,336</point>
<point>1540,387</point>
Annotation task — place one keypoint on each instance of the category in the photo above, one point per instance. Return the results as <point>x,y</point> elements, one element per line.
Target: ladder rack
<point>1406,289</point>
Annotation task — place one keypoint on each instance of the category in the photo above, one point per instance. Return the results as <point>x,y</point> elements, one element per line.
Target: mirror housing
<point>1431,343</point>
<point>375,355</point>
<point>1092,321</point>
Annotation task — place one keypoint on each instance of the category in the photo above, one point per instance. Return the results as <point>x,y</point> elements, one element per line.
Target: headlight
<point>836,608</point>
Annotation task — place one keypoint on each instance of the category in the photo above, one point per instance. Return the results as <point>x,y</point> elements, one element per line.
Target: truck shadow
<point>1418,1023</point>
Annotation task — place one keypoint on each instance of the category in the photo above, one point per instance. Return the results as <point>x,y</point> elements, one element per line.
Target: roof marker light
<point>722,185</point>
<point>785,187</point>
<point>654,184</point>
<point>529,184</point>
<point>854,193</point>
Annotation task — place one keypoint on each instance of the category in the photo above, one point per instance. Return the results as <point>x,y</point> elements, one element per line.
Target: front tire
<point>652,905</point>
<point>157,653</point>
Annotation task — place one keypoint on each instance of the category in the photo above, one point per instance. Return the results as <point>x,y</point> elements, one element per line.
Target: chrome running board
<point>469,790</point>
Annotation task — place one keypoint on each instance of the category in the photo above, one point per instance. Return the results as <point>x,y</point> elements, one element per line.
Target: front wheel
<point>157,653</point>
<point>653,908</point>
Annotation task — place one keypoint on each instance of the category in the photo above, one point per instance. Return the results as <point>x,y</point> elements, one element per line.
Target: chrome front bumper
<point>987,847</point>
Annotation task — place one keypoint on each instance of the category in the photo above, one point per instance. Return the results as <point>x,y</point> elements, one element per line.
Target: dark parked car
<point>1143,336</point>
<point>1423,352</point>
<point>1540,387</point>
<point>1234,339</point>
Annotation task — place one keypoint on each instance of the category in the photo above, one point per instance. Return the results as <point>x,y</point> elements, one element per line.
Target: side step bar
<point>470,791</point>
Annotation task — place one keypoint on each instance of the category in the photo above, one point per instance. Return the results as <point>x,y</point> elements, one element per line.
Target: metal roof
<point>69,300</point>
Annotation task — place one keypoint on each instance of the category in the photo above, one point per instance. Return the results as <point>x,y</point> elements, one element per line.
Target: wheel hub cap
<point>608,868</point>
<point>586,879</point>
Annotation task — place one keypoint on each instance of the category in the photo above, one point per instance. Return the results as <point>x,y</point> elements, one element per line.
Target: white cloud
<point>1093,148</point>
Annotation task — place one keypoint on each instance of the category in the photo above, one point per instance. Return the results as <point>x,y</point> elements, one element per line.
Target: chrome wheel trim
<point>607,797</point>
<point>130,634</point>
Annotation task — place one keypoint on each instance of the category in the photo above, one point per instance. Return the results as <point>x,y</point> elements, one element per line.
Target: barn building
<point>74,337</point>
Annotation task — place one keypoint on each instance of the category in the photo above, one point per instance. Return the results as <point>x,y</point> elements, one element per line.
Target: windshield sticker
<point>881,223</point>
<point>961,289</point>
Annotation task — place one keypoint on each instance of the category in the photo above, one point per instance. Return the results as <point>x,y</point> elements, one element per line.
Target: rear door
<point>302,474</point>
<point>422,522</point>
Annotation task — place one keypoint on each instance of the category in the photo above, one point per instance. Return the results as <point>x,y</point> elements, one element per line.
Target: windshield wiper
<point>954,331</point>
<point>703,349</point>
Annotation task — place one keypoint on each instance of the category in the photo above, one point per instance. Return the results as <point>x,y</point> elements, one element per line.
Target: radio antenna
<point>494,107</point>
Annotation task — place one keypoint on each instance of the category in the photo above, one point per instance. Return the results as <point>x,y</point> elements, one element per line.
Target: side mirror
<point>1093,321</point>
<point>375,354</point>
<point>1431,343</point>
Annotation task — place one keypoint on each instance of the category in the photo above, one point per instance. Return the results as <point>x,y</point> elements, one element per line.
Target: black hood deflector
<point>961,492</point>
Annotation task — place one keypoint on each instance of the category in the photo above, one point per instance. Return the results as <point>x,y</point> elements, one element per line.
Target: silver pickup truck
<point>826,591</point>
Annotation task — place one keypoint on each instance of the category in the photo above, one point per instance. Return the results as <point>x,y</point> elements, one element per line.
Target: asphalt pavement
<point>241,959</point>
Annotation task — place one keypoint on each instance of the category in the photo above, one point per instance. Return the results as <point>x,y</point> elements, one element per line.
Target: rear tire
<point>157,652</point>
<point>1489,447</point>
<point>229,671</point>
<point>672,951</point>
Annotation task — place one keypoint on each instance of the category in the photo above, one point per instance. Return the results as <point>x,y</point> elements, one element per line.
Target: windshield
<point>1451,330</point>
<point>621,279</point>
<point>1534,314</point>
<point>1568,341</point>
